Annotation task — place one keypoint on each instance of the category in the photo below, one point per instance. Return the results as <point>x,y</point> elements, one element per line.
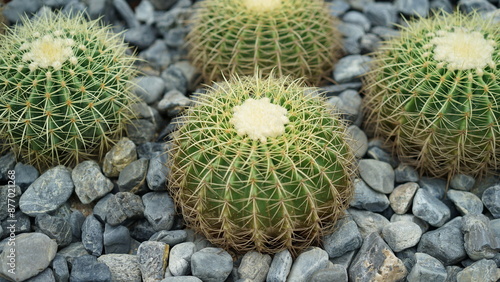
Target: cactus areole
<point>65,94</point>
<point>258,165</point>
<point>433,93</point>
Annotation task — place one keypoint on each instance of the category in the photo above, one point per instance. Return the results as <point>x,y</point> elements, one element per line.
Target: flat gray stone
<point>44,276</point>
<point>379,154</point>
<point>408,217</point>
<point>435,186</point>
<point>124,206</point>
<point>51,190</point>
<point>358,18</point>
<point>382,14</point>
<point>401,235</point>
<point>491,200</point>
<point>180,258</point>
<point>413,7</point>
<point>378,175</point>
<point>90,183</point>
<point>480,242</point>
<point>92,236</point>
<point>482,270</point>
<point>211,264</point>
<point>33,254</point>
<point>116,239</point>
<point>157,172</point>
<point>401,197</point>
<point>368,199</point>
<point>9,199</point>
<point>87,268</point>
<point>55,227</point>
<point>151,259</point>
<point>173,102</point>
<point>280,267</point>
<point>368,221</point>
<point>465,202</point>
<point>351,68</point>
<point>170,237</point>
<point>430,209</point>
<point>445,243</point>
<point>427,268</point>
<point>182,279</point>
<point>254,266</point>
<point>344,239</point>
<point>405,173</point>
<point>73,251</point>
<point>359,141</point>
<point>462,182</point>
<point>133,177</point>
<point>25,175</point>
<point>307,263</point>
<point>123,267</point>
<point>376,261</point>
<point>149,88</point>
<point>159,210</point>
<point>335,272</point>
<point>60,268</point>
<point>345,260</point>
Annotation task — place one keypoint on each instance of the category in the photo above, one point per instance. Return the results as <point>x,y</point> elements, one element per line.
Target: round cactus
<point>65,93</point>
<point>256,164</point>
<point>433,93</point>
<point>295,37</point>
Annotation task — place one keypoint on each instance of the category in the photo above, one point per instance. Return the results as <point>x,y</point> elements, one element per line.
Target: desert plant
<point>433,93</point>
<point>65,93</point>
<point>297,37</point>
<point>257,164</point>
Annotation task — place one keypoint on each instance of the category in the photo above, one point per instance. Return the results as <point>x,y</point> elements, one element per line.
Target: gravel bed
<point>116,222</point>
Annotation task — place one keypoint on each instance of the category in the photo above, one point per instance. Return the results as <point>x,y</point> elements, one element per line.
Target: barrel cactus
<point>65,93</point>
<point>433,93</point>
<point>258,165</point>
<point>295,37</point>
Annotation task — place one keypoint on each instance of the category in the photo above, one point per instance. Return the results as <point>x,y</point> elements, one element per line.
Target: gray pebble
<point>101,208</point>
<point>180,259</point>
<point>141,131</point>
<point>435,186</point>
<point>307,263</point>
<point>73,251</point>
<point>376,260</point>
<point>149,88</point>
<point>483,270</point>
<point>175,37</point>
<point>335,272</point>
<point>424,226</point>
<point>413,7</point>
<point>133,177</point>
<point>157,54</point>
<point>174,79</point>
<point>90,183</point>
<point>126,13</point>
<point>462,182</point>
<point>87,268</point>
<point>350,68</point>
<point>344,260</point>
<point>404,173</point>
<point>445,243</point>
<point>123,267</point>
<point>14,10</point>
<point>141,36</point>
<point>124,206</point>
<point>151,258</point>
<point>452,272</point>
<point>25,175</point>
<point>157,172</point>
<point>142,230</point>
<point>427,268</point>
<point>338,7</point>
<point>379,154</point>
<point>280,267</point>
<point>52,189</point>
<point>122,154</point>
<point>211,264</point>
<point>254,266</point>
<point>189,71</point>
<point>144,12</point>
<point>441,5</point>
<point>159,210</point>
<point>116,239</point>
<point>55,227</point>
<point>173,102</point>
<point>430,209</point>
<point>92,236</point>
<point>163,4</point>
<point>55,3</point>
<point>22,223</point>
<point>358,18</point>
<point>401,197</point>
<point>344,239</point>
<point>368,199</point>
<point>385,33</point>
<point>378,175</point>
<point>336,89</point>
<point>407,256</point>
<point>383,14</point>
<point>358,141</point>
<point>149,150</point>
<point>182,279</point>
<point>368,222</point>
<point>401,235</point>
<point>480,242</point>
<point>35,250</point>
<point>60,268</point>
<point>480,6</point>
<point>491,200</point>
<point>351,30</point>
<point>465,202</point>
<point>44,276</point>
<point>369,43</point>
<point>171,238</point>
<point>9,199</point>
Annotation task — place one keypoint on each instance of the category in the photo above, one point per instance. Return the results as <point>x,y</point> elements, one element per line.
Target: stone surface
<point>162,4</point>
<point>211,264</point>
<point>427,268</point>
<point>462,182</point>
<point>159,210</point>
<point>90,183</point>
<point>180,258</point>
<point>465,202</point>
<point>126,13</point>
<point>307,263</point>
<point>435,186</point>
<point>92,236</point>
<point>346,238</point>
<point>401,197</point>
<point>368,199</point>
<point>368,222</point>
<point>481,6</point>
<point>55,227</point>
<point>116,239</point>
<point>21,222</point>
<point>480,242</point>
<point>141,36</point>
<point>429,208</point>
<point>173,102</point>
<point>254,266</point>
<point>382,14</point>
<point>25,175</point>
<point>378,175</point>
<point>121,155</point>
<point>445,243</point>
<point>337,273</point>
<point>133,177</point>
<point>48,192</point>
<point>33,253</point>
<point>350,68</point>
<point>9,199</point>
<point>379,154</point>
<point>359,141</point>
<point>87,268</point>
<point>60,268</point>
<point>44,276</point>
<point>101,207</point>
<point>424,226</point>
<point>376,262</point>
<point>172,237</point>
<point>152,258</point>
<point>123,267</point>
<point>404,173</point>
<point>483,270</point>
<point>413,7</point>
<point>280,267</point>
<point>491,200</point>
<point>157,172</point>
<point>401,235</point>
<point>149,88</point>
<point>124,206</point>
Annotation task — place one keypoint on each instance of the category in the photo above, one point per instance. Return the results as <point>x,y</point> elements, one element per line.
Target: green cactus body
<point>255,164</point>
<point>64,89</point>
<point>433,93</point>
<point>294,37</point>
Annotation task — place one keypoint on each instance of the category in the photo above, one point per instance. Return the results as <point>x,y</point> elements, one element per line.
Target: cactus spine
<point>64,89</point>
<point>433,93</point>
<point>256,164</point>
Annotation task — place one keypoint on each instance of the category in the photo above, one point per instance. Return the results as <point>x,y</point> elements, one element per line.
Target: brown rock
<point>402,197</point>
